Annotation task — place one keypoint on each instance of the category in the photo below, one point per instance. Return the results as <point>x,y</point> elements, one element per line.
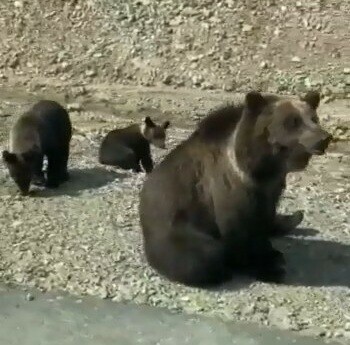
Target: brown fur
<point>44,130</point>
<point>127,147</point>
<point>209,208</point>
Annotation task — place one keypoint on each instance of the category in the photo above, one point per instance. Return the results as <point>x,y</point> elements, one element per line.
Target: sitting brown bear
<point>127,147</point>
<point>208,209</point>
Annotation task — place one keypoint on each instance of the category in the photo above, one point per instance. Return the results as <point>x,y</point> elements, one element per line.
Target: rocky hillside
<point>275,45</point>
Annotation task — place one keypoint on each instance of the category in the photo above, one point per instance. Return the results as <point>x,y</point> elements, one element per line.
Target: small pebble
<point>296,59</point>
<point>29,297</point>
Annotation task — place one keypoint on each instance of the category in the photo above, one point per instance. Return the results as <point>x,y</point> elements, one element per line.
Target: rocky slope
<point>275,45</point>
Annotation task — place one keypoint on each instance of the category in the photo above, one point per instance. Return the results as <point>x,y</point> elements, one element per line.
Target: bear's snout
<point>324,139</point>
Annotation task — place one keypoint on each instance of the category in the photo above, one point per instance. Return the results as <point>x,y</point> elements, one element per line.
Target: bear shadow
<point>315,262</point>
<point>80,180</point>
<point>310,262</point>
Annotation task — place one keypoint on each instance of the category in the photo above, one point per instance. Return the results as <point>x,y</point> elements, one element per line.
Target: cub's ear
<point>312,98</point>
<point>255,102</point>
<point>148,121</point>
<point>8,157</point>
<point>166,124</point>
<point>29,156</point>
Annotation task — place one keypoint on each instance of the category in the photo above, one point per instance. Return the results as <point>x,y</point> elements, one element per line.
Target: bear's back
<point>45,125</point>
<point>129,136</point>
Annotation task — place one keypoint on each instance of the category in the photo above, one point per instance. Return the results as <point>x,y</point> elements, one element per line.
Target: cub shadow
<point>80,180</point>
<point>310,262</point>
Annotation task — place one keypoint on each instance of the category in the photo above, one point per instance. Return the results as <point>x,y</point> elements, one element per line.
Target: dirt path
<point>55,319</point>
<point>84,238</point>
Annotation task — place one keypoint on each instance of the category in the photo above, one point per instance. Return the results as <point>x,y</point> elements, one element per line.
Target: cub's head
<point>292,127</point>
<point>155,134</point>
<point>21,167</point>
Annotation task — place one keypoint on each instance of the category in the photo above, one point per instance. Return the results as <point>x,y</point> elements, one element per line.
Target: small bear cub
<point>44,130</point>
<point>127,147</point>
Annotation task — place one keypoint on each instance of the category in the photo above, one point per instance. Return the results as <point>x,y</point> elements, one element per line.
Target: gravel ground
<point>84,238</point>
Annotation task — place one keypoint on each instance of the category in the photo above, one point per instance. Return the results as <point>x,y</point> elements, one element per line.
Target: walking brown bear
<point>208,210</point>
<point>127,147</point>
<point>44,130</point>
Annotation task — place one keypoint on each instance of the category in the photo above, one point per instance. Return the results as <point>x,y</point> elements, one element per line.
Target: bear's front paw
<point>39,181</point>
<point>285,224</point>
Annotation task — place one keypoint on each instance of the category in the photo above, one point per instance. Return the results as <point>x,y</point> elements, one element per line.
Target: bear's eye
<point>292,122</point>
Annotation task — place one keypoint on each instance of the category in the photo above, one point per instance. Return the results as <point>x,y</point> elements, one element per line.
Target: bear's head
<point>154,134</point>
<point>291,127</point>
<point>21,168</point>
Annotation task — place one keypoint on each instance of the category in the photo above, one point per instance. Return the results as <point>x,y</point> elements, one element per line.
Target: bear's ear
<point>8,157</point>
<point>166,124</point>
<point>312,98</point>
<point>148,121</point>
<point>255,102</point>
